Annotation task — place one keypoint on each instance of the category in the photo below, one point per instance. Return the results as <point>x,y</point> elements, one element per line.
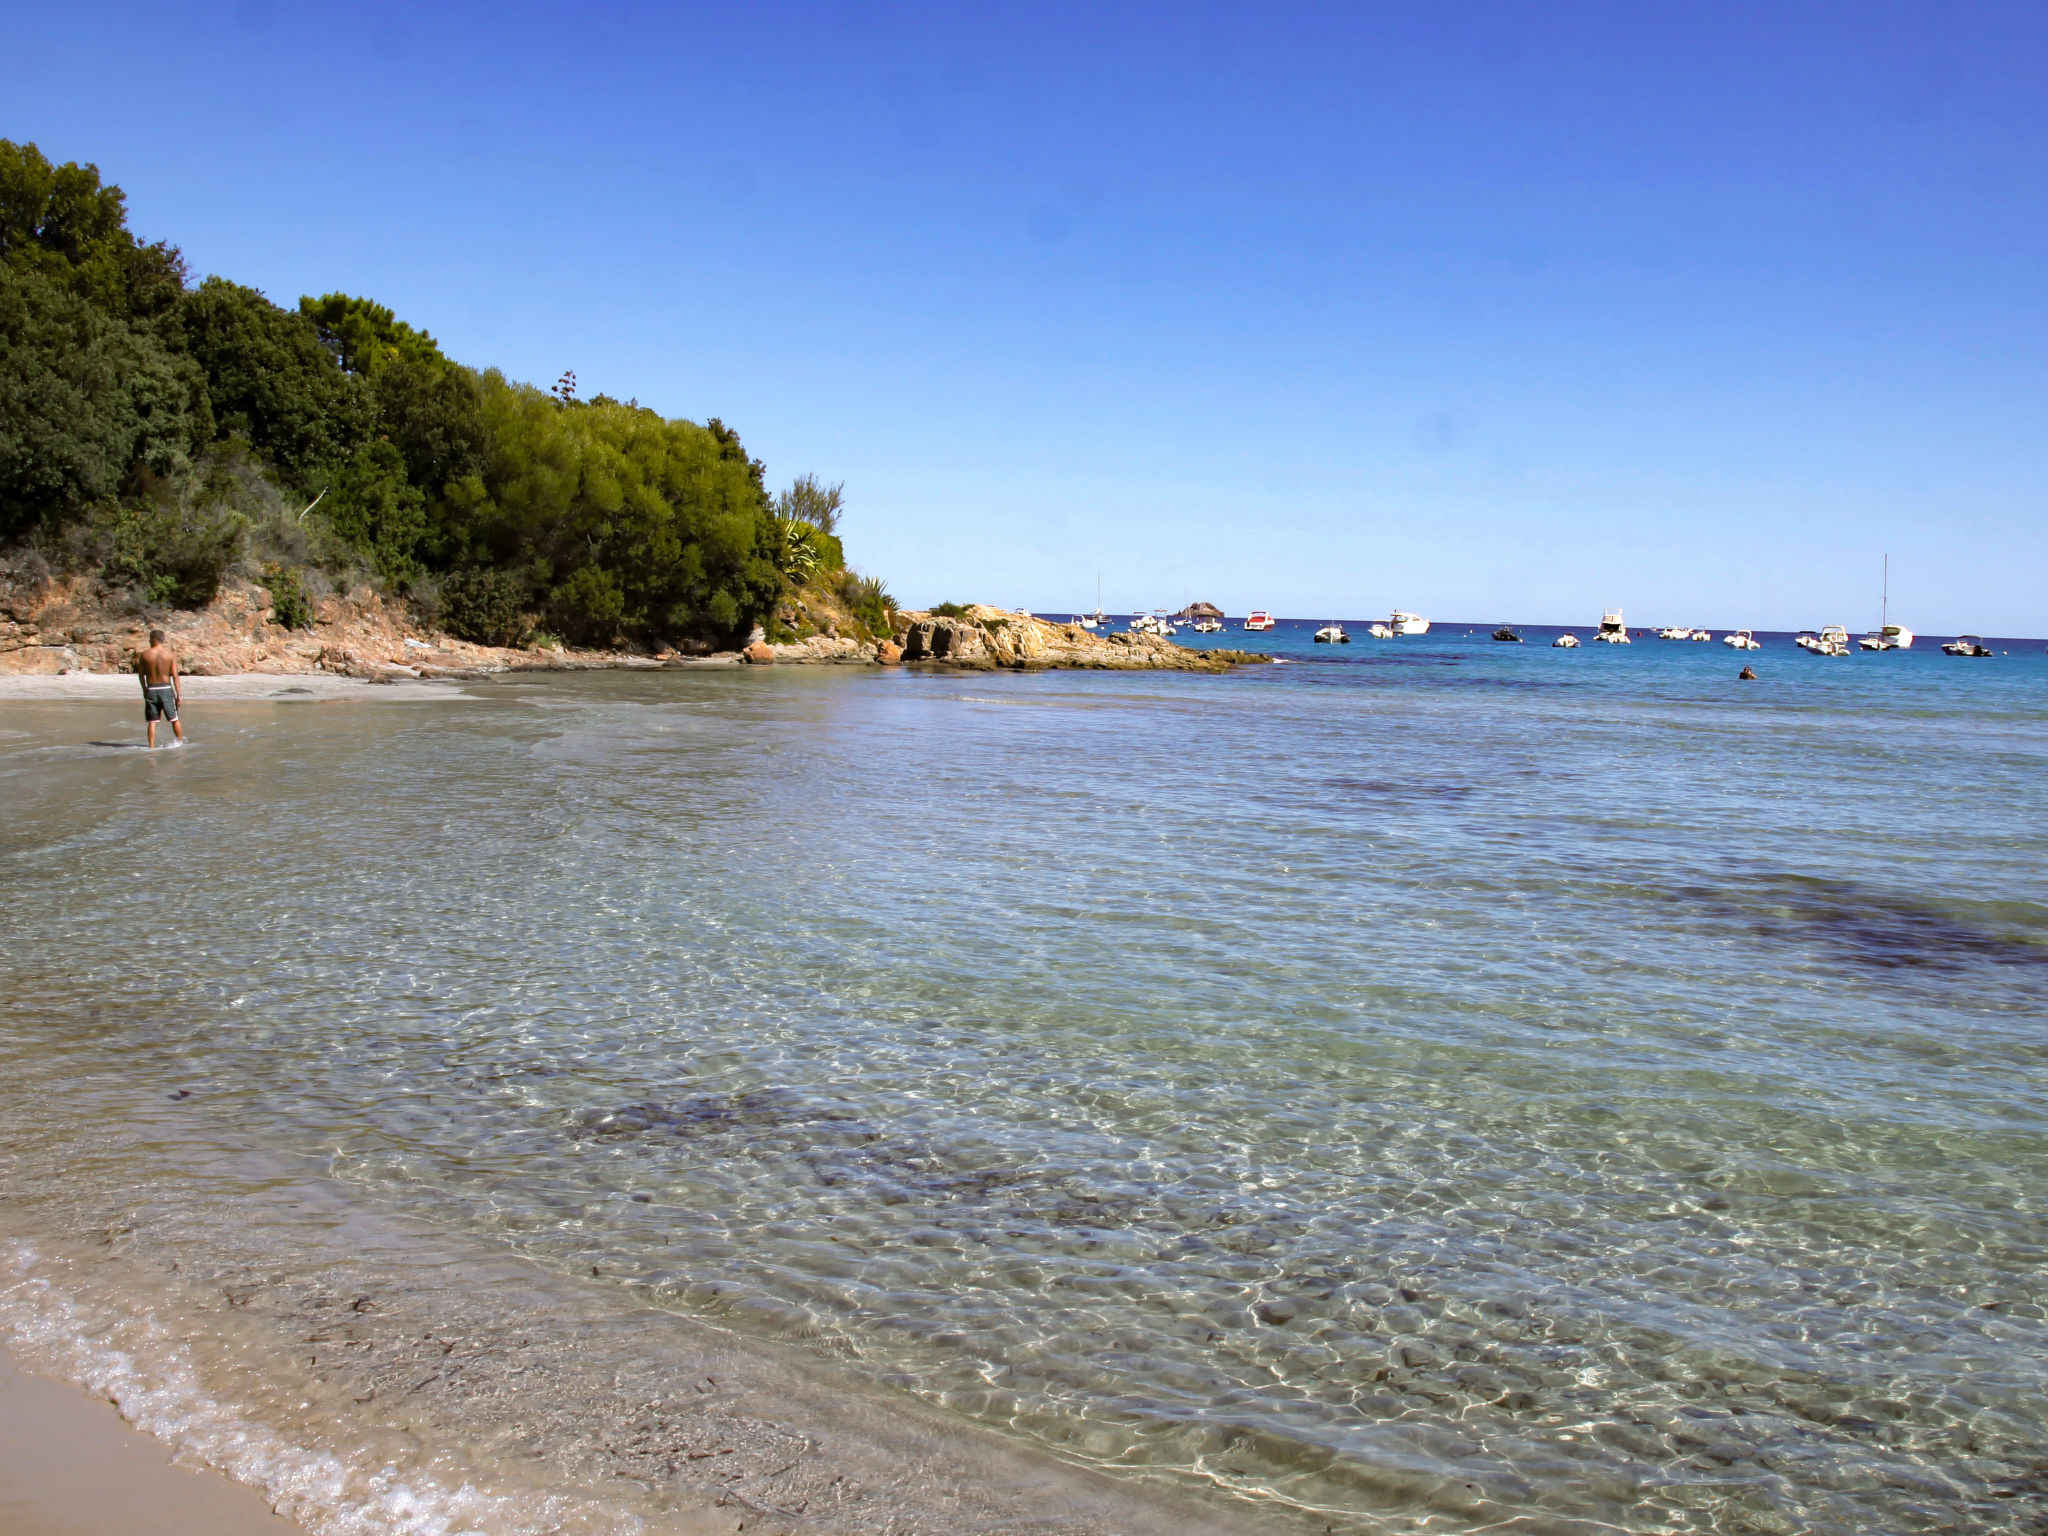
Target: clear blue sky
<point>1480,310</point>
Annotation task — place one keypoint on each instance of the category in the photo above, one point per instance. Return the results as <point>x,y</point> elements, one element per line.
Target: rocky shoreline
<point>55,627</point>
<point>983,638</point>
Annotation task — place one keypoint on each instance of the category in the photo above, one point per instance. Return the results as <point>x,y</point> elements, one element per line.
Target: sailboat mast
<point>1884,604</point>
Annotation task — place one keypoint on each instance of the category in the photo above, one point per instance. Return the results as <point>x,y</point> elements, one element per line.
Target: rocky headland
<point>55,625</point>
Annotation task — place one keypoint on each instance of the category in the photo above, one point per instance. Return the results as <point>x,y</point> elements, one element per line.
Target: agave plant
<point>801,551</point>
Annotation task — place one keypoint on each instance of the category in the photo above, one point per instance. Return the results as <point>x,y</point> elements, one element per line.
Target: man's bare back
<point>162,691</point>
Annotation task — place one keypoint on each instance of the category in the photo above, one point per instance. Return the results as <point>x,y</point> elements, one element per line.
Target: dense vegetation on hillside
<point>166,433</point>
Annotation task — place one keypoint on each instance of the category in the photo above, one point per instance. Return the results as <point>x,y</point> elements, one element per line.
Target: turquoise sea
<point>1421,1085</point>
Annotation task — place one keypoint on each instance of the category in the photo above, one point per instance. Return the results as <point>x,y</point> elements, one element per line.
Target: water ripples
<point>1423,1096</point>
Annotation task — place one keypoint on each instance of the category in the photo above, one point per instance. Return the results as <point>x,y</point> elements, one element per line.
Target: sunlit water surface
<point>1426,1086</point>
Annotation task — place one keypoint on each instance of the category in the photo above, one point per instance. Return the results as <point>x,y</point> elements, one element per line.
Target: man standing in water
<point>161,693</point>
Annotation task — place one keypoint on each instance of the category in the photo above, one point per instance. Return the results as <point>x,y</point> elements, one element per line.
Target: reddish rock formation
<point>986,637</point>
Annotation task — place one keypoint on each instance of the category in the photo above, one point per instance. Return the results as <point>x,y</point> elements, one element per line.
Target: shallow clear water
<point>1422,1086</point>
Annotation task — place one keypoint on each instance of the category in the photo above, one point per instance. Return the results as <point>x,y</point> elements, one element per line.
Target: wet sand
<point>284,687</point>
<point>71,1466</point>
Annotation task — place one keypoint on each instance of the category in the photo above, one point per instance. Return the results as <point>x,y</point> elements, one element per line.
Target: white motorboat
<point>1565,642</point>
<point>1378,632</point>
<point>1742,640</point>
<point>1675,632</point>
<point>1612,630</point>
<point>1208,626</point>
<point>1408,623</point>
<point>1966,645</point>
<point>1332,634</point>
<point>1806,640</point>
<point>1258,618</point>
<point>1703,636</point>
<point>1833,640</point>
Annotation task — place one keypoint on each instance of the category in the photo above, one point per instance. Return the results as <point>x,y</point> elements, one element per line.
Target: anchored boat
<point>1887,636</point>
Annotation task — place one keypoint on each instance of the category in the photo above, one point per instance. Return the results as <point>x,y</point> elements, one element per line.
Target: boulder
<point>759,653</point>
<point>961,641</point>
<point>822,648</point>
<point>888,653</point>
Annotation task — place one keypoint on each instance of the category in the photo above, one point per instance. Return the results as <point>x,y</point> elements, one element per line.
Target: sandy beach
<point>71,1466</point>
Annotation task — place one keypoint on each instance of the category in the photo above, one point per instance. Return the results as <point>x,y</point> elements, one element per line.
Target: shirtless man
<point>161,693</point>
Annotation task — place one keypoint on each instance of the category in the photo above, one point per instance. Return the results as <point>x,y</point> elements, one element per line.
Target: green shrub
<point>270,380</point>
<point>485,606</point>
<point>589,606</point>
<point>948,611</point>
<point>868,600</point>
<point>83,399</point>
<point>377,512</point>
<point>173,553</point>
<point>289,604</point>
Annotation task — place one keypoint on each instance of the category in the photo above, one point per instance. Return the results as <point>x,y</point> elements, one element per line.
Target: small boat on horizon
<point>1612,630</point>
<point>1098,619</point>
<point>1565,642</point>
<point>1332,634</point>
<point>1887,636</point>
<point>1966,645</point>
<point>1507,634</point>
<point>1742,640</point>
<point>1408,623</point>
<point>1258,618</point>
